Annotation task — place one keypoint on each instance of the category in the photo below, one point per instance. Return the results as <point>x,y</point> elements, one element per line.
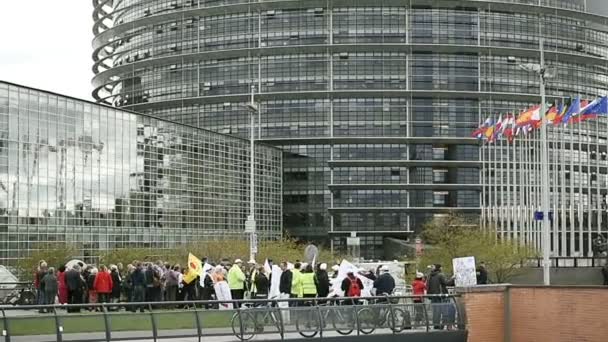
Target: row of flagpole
<point>511,126</point>
<point>511,174</point>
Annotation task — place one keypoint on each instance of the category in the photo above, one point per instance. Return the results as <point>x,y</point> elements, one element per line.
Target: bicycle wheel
<point>367,321</point>
<point>307,323</point>
<point>402,320</point>
<point>247,322</point>
<point>341,325</point>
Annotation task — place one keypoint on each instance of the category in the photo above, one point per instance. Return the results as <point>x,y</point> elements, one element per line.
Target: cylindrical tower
<point>372,101</point>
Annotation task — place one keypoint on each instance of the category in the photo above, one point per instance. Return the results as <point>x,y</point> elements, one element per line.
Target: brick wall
<point>559,314</point>
<point>502,313</point>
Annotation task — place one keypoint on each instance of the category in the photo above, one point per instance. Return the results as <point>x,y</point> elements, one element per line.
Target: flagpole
<point>544,164</point>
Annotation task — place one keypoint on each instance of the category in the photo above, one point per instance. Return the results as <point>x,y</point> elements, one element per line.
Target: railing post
<point>426,313</point>
<point>199,329</point>
<point>58,326</point>
<point>281,322</point>
<point>457,321</point>
<point>392,311</point>
<point>153,320</point>
<point>106,321</point>
<point>320,319</point>
<point>6,332</point>
<point>239,313</point>
<point>356,318</point>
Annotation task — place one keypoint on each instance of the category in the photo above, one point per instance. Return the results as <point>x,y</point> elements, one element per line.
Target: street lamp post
<point>543,73</point>
<point>250,224</point>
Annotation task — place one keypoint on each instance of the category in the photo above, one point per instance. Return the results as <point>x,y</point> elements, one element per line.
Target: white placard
<point>464,271</point>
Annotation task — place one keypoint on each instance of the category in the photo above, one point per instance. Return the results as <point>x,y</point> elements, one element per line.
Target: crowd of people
<point>158,282</point>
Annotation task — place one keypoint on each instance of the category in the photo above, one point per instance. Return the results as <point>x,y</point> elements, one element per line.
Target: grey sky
<point>47,44</point>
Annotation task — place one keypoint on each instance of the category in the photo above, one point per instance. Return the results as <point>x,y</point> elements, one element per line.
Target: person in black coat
<point>384,284</point>
<point>437,284</point>
<point>286,278</point>
<point>116,285</point>
<point>323,283</point>
<point>75,285</point>
<point>482,274</point>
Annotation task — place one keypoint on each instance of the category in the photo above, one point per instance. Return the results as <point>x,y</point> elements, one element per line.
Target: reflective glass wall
<point>103,178</point>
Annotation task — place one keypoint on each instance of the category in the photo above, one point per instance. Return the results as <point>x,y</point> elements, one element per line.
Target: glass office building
<point>102,178</point>
<point>372,102</point>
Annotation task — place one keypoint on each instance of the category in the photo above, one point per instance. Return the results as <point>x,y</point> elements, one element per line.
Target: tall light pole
<point>250,224</point>
<point>543,73</point>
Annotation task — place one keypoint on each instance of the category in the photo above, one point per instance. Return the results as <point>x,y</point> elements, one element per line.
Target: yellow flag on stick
<point>195,264</point>
<point>190,276</point>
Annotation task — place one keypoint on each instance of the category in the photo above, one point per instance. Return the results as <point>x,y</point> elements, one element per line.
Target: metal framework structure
<point>371,101</point>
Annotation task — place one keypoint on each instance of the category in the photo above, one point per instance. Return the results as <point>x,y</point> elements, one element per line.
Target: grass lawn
<point>44,324</point>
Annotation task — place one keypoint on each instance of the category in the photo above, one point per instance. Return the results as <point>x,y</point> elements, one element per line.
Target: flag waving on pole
<point>195,264</point>
<point>573,110</point>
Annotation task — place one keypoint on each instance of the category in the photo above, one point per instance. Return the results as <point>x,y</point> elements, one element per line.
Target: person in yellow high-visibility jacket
<point>309,283</point>
<point>296,282</point>
<point>236,280</point>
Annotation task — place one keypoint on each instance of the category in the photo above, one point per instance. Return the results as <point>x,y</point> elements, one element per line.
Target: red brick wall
<point>559,314</point>
<point>538,314</point>
<point>485,315</point>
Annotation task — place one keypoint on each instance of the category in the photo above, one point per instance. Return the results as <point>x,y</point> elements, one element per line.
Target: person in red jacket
<point>419,290</point>
<point>103,285</point>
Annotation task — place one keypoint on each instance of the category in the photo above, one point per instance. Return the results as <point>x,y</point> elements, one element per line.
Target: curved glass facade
<point>371,101</point>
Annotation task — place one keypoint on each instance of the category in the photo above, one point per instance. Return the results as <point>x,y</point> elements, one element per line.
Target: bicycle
<point>371,318</point>
<point>246,323</point>
<point>307,323</point>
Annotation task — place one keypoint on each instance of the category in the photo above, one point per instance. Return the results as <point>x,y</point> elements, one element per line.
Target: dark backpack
<point>354,290</point>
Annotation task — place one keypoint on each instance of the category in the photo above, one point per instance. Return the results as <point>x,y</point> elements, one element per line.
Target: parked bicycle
<point>309,322</point>
<point>250,320</point>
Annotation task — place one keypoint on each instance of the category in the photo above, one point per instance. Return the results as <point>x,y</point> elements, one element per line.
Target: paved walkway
<point>210,335</point>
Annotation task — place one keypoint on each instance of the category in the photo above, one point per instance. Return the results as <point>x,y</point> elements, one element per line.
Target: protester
<point>308,283</point>
<point>482,274</point>
<point>189,285</point>
<point>206,283</point>
<point>261,283</point>
<point>419,290</point>
<point>323,283</point>
<point>385,283</point>
<point>296,282</point>
<point>251,274</point>
<point>91,288</point>
<point>116,285</point>
<point>138,281</point>
<point>103,285</point>
<point>75,284</point>
<point>437,285</point>
<point>128,283</point>
<point>49,285</point>
<point>152,279</point>
<point>286,280</point>
<point>63,288</point>
<point>352,287</point>
<point>40,272</point>
<point>236,280</point>
<point>171,283</point>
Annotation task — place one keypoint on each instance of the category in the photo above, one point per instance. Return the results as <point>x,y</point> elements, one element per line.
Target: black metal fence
<point>231,321</point>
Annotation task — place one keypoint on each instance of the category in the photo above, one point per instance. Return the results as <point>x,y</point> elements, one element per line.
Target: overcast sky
<point>46,44</point>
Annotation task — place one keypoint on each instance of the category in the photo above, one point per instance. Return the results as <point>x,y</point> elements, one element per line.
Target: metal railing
<point>284,318</point>
<point>558,262</point>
